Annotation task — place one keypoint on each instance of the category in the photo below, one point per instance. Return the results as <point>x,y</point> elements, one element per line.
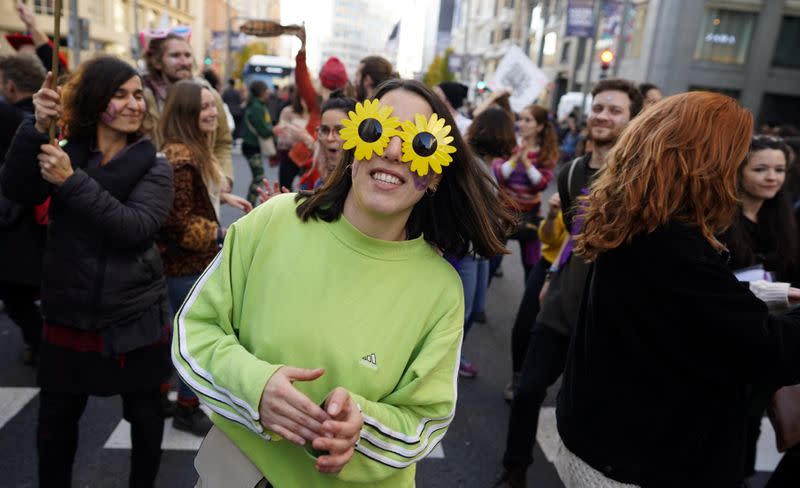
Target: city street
<point>469,457</point>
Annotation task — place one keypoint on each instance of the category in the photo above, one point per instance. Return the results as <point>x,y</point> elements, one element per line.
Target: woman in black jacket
<point>104,301</point>
<point>764,233</point>
<point>654,391</point>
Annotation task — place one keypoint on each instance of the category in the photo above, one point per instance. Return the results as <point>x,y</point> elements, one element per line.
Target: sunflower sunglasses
<point>426,143</point>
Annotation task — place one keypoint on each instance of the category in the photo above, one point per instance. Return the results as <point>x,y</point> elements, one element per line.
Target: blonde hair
<point>677,161</point>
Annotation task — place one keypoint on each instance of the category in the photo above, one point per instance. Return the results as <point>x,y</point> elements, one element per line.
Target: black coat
<point>21,237</point>
<point>654,391</point>
<point>102,270</point>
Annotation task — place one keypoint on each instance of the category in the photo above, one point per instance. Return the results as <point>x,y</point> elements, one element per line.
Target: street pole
<point>591,53</point>
<point>228,57</point>
<point>622,41</point>
<point>545,15</point>
<point>75,32</point>
<point>464,68</point>
<point>135,47</point>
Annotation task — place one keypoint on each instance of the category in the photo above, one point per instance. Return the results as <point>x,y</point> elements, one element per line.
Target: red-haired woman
<point>527,174</point>
<point>668,339</point>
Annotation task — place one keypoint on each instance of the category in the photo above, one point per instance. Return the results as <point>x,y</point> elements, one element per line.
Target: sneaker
<point>508,392</point>
<point>466,369</point>
<point>192,420</point>
<point>480,317</point>
<point>515,478</point>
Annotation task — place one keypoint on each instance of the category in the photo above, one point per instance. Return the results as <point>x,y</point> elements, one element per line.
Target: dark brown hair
<point>548,140</point>
<point>88,91</point>
<point>667,166</point>
<point>464,213</point>
<point>179,124</point>
<point>625,86</point>
<point>491,133</point>
<point>776,222</point>
<point>24,70</point>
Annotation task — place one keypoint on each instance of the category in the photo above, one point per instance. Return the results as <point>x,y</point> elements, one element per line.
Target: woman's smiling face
<point>384,186</point>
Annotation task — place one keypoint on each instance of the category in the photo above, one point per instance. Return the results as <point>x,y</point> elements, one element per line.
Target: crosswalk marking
<point>178,440</point>
<point>12,400</point>
<point>767,457</point>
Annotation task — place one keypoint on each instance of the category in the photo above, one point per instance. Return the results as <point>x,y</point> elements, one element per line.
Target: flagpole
<point>56,61</point>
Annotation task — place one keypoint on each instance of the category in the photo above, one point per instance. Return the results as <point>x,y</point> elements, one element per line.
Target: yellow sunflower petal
<point>419,166</point>
<point>421,123</point>
<point>442,132</point>
<point>444,140</point>
<point>435,166</point>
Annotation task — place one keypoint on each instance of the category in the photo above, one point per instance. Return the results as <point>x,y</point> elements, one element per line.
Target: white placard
<point>517,73</point>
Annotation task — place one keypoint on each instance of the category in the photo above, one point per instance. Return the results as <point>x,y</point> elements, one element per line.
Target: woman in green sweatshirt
<point>360,386</point>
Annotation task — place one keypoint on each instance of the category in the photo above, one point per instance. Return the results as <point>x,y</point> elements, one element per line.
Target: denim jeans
<point>178,288</point>
<point>474,273</point>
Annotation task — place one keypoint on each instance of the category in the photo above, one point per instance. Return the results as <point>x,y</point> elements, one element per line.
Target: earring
<point>432,189</point>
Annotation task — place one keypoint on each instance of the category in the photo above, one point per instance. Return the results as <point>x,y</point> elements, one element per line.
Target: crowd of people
<point>120,274</point>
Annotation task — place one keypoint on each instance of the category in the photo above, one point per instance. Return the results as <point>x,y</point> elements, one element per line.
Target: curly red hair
<point>678,161</point>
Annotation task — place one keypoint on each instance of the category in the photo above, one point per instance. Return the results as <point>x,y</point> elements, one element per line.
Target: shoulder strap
<point>569,176</point>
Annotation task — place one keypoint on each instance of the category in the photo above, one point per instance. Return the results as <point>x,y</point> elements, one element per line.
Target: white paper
<point>753,273</point>
<point>519,74</point>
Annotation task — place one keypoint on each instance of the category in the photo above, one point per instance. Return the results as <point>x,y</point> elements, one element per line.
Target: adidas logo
<point>370,360</point>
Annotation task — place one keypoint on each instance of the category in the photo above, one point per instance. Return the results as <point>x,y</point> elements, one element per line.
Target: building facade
<point>113,24</point>
<point>747,49</point>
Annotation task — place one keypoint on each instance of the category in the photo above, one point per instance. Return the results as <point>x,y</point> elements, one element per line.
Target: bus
<point>272,70</point>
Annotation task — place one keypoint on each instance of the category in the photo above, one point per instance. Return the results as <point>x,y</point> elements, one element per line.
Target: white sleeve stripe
<point>184,348</point>
<point>235,418</point>
<point>391,462</point>
<point>421,426</point>
<point>397,436</point>
<point>213,394</point>
<point>400,451</point>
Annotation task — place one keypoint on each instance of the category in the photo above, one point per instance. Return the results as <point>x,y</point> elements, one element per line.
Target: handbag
<point>221,464</point>
<point>266,146</point>
<point>784,413</point>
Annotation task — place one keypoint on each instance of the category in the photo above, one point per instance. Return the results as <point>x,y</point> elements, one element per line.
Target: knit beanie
<point>455,92</point>
<point>333,74</point>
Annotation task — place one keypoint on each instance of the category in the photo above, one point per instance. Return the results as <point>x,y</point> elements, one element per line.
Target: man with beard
<point>615,102</point>
<point>371,72</point>
<point>169,59</point>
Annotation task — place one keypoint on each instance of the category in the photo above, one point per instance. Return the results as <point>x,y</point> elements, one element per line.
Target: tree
<point>439,69</point>
<point>247,51</point>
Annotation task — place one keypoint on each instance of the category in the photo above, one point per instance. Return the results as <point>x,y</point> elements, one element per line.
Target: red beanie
<point>333,74</point>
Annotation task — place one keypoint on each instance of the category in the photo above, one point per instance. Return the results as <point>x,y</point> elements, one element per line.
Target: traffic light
<point>208,61</point>
<point>606,58</point>
<point>481,87</point>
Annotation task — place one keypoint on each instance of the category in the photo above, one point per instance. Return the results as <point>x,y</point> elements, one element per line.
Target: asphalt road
<point>470,455</point>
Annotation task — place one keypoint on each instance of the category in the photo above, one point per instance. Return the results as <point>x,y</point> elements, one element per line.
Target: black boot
<point>191,419</point>
<point>512,478</point>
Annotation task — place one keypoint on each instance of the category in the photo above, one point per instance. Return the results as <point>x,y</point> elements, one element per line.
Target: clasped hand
<point>335,427</point>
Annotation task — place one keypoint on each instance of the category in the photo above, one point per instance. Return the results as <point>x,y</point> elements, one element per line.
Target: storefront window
<point>724,36</point>
<point>786,53</point>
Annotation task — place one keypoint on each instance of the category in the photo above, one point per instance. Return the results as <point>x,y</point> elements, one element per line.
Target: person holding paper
<point>763,245</point>
<point>668,341</point>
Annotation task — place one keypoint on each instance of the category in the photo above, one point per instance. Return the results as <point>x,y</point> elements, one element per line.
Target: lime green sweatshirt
<point>383,318</point>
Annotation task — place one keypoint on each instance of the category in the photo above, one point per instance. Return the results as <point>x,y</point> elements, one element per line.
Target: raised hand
<point>47,105</point>
<point>269,190</point>
<point>54,164</point>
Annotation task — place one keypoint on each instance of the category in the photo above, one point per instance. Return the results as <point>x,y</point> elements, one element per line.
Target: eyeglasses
<point>426,143</point>
<point>325,131</point>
